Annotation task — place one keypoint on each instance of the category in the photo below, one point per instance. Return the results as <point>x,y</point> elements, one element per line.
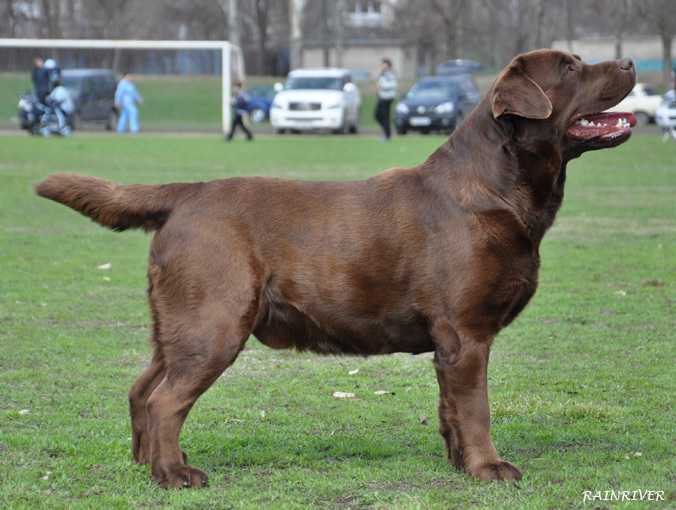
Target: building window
<point>367,13</point>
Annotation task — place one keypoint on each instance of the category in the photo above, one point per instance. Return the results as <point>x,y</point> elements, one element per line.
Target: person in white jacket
<point>664,115</point>
<point>387,91</point>
<point>61,102</point>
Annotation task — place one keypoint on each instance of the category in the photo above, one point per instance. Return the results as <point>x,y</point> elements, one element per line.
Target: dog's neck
<point>490,164</point>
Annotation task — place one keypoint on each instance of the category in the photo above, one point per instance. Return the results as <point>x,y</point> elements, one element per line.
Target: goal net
<point>185,84</point>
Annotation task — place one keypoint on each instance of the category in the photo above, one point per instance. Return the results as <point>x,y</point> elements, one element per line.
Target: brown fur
<point>438,258</point>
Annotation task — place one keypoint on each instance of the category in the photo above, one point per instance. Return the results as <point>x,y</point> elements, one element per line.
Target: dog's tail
<point>112,205</point>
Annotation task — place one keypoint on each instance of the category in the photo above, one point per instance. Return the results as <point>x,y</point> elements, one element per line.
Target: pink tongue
<point>579,131</point>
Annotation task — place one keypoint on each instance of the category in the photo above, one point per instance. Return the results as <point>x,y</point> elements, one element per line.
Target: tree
<point>451,14</point>
<point>51,10</point>
<point>662,16</point>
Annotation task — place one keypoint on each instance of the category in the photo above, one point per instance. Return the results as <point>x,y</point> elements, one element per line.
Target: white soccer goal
<point>231,57</point>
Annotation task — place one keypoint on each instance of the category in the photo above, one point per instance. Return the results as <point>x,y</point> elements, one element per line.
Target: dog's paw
<point>500,470</point>
<point>182,477</point>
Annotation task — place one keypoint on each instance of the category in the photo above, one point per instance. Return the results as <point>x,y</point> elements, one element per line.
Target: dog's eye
<point>571,68</point>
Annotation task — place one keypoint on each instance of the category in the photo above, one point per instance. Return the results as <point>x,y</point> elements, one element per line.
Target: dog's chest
<point>284,326</point>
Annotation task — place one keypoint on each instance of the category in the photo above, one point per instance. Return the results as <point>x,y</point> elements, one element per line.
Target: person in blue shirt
<point>240,103</point>
<point>126,99</point>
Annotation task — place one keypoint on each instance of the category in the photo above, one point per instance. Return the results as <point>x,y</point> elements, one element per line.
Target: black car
<point>93,92</point>
<point>436,103</point>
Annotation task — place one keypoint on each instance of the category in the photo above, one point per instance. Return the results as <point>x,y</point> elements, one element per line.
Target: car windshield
<point>433,91</point>
<point>312,83</point>
<point>71,82</point>
<point>465,83</point>
<point>264,92</point>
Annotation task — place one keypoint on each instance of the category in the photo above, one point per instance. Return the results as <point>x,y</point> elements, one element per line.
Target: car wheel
<point>642,119</point>
<point>354,129</point>
<point>425,131</point>
<point>257,115</point>
<point>111,121</point>
<point>342,129</point>
<point>280,131</point>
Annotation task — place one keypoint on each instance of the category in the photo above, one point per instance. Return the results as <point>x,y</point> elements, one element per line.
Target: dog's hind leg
<point>138,395</point>
<point>192,365</point>
<point>204,302</point>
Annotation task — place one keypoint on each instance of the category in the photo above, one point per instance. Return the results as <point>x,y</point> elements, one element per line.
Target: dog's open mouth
<point>602,127</point>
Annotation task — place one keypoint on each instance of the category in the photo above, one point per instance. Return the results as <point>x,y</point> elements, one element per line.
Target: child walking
<point>240,103</point>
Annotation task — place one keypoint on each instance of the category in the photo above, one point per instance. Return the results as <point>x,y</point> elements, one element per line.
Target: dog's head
<point>557,95</point>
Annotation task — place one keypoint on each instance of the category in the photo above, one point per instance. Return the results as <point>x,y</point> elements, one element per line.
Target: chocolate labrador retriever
<point>436,258</point>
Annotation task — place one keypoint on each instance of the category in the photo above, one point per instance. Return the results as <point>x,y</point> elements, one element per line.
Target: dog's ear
<point>516,93</point>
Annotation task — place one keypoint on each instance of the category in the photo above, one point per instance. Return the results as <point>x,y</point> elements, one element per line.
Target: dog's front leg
<point>461,363</point>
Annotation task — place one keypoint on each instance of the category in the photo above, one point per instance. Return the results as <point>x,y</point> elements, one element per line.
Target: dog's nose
<point>626,64</point>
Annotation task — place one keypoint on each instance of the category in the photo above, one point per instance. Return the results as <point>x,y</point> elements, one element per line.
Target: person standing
<point>126,99</point>
<point>669,98</point>
<point>387,91</point>
<point>53,70</point>
<point>40,79</point>
<point>240,103</point>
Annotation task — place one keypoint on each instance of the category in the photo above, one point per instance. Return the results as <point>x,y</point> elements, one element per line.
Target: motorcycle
<point>41,119</point>
<point>30,113</point>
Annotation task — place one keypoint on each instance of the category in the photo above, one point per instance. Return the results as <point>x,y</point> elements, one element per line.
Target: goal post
<point>231,57</point>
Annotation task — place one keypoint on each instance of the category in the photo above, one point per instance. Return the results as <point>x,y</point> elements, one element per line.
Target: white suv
<point>317,99</point>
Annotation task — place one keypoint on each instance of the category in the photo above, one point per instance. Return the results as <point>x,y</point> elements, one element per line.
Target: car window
<point>87,86</point>
<point>71,83</point>
<point>107,86</point>
<point>466,83</point>
<point>262,91</point>
<point>97,86</point>
<point>314,83</point>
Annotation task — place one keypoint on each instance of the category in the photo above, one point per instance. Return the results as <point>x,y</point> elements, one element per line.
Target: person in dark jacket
<point>240,103</point>
<point>40,79</point>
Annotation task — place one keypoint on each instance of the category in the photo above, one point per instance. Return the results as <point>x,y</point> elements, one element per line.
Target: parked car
<point>260,101</point>
<point>436,103</point>
<point>642,101</point>
<point>93,92</point>
<point>317,99</point>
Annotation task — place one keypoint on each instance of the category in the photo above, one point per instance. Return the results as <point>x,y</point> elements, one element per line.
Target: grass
<point>582,384</point>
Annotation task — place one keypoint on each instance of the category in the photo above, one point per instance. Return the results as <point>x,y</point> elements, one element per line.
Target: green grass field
<point>582,384</point>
